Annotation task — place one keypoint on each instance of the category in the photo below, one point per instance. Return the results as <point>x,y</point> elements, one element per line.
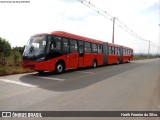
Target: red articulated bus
<point>59,51</point>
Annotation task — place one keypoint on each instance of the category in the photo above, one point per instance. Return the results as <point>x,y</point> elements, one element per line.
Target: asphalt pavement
<point>131,86</point>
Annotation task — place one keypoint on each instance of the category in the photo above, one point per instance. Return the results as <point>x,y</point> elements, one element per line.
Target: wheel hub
<point>59,68</point>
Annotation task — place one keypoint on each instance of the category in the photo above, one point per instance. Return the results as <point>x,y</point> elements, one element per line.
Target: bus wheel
<point>94,64</point>
<point>117,62</point>
<point>59,67</point>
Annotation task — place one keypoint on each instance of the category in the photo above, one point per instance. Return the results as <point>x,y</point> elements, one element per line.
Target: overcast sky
<point>19,21</point>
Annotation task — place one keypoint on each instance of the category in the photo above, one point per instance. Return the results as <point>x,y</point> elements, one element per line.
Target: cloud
<point>69,1</point>
<point>153,8</point>
<point>19,22</point>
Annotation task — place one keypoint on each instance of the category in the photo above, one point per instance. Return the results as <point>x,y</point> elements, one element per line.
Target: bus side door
<point>81,53</point>
<point>73,60</point>
<point>88,57</point>
<point>73,57</point>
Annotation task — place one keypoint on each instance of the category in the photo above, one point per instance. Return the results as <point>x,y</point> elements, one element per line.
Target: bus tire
<point>128,61</point>
<point>59,67</point>
<point>117,61</point>
<point>94,64</point>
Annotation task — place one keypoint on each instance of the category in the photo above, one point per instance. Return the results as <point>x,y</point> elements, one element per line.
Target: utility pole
<point>114,18</point>
<point>149,49</point>
<point>157,51</point>
<point>159,39</point>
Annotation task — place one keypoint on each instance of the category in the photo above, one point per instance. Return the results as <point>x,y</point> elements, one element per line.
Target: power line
<point>114,18</point>
<point>130,31</point>
<point>120,24</point>
<point>96,9</point>
<point>94,6</point>
<point>154,45</point>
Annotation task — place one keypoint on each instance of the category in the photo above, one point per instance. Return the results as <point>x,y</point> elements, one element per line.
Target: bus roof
<point>127,47</point>
<point>78,37</point>
<point>114,45</point>
<point>40,34</point>
<point>73,36</point>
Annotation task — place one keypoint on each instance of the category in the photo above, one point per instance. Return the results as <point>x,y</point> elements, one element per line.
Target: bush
<point>5,48</point>
<point>9,70</point>
<point>15,58</point>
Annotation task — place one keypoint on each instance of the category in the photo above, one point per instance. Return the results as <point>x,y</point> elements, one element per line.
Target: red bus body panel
<point>128,57</point>
<point>88,59</point>
<point>38,66</point>
<point>81,62</point>
<point>98,57</point>
<point>74,60</point>
<point>112,58</point>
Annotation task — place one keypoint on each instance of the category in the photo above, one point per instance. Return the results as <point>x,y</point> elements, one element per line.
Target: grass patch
<point>9,70</point>
<point>138,57</point>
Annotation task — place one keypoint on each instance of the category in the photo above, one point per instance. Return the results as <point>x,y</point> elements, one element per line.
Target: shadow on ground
<point>75,80</point>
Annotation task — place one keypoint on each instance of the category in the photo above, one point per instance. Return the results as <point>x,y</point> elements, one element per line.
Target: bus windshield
<point>35,46</point>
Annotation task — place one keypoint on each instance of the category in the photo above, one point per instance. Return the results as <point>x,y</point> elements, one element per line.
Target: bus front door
<point>73,60</point>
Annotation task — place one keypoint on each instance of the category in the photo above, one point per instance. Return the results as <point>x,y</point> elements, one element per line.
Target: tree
<point>15,57</point>
<point>20,49</point>
<point>5,48</point>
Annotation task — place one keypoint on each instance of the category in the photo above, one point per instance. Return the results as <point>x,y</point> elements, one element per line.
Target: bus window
<point>129,52</point>
<point>80,46</point>
<point>80,43</point>
<point>65,45</point>
<point>94,48</point>
<point>81,51</point>
<point>87,47</point>
<point>99,48</point>
<point>55,44</point>
<point>118,51</point>
<point>126,52</point>
<point>115,50</point>
<point>123,51</point>
<point>73,45</point>
<point>110,50</point>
